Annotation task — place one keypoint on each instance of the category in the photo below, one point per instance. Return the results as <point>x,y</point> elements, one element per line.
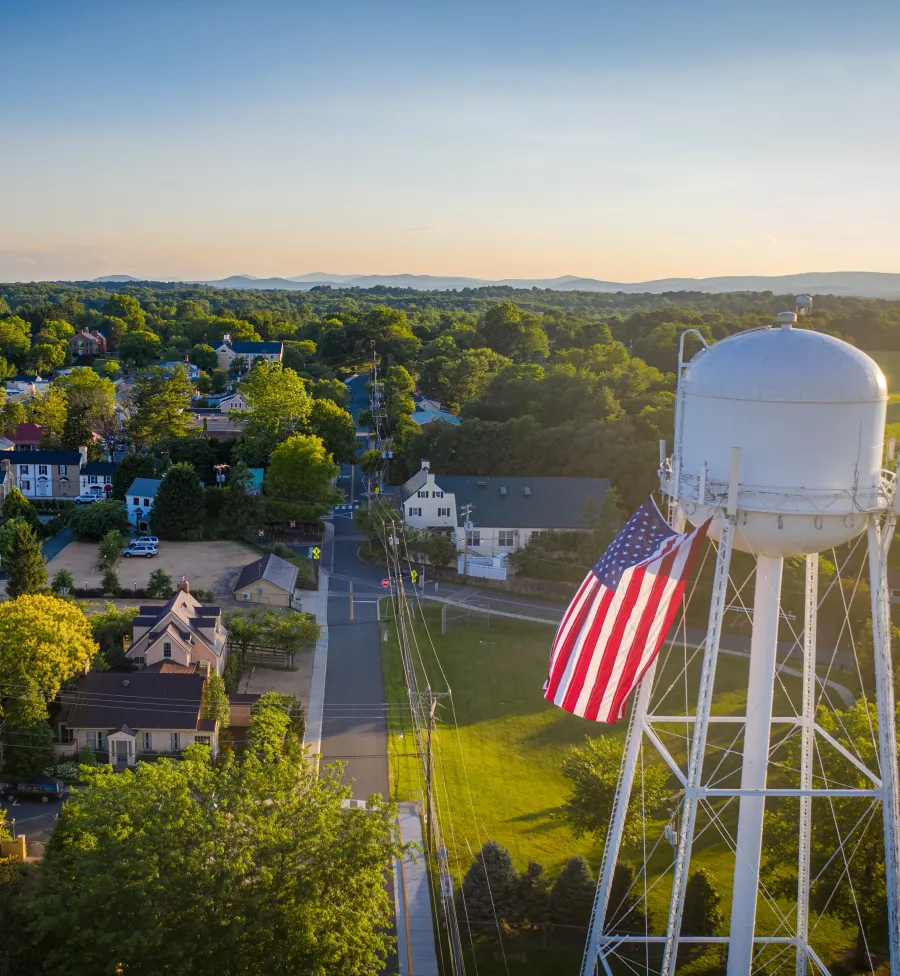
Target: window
<point>61,469</point>
<point>537,534</point>
<point>473,537</point>
<point>139,661</point>
<point>506,538</point>
<point>443,513</point>
<point>415,512</point>
<point>167,649</point>
<point>438,494</point>
<point>422,494</point>
<point>148,740</point>
<point>92,479</point>
<point>136,501</point>
<point>26,486</point>
<point>174,741</point>
<point>66,734</point>
<point>96,740</point>
<point>146,503</point>
<point>24,469</point>
<point>42,469</point>
<point>91,738</point>
<point>202,740</point>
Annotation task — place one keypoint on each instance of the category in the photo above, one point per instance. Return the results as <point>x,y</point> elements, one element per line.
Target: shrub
<point>94,521</point>
<point>111,583</point>
<point>204,596</point>
<point>280,549</point>
<point>63,582</point>
<point>86,756</point>
<point>110,549</point>
<point>160,585</point>
<point>572,894</point>
<point>67,771</point>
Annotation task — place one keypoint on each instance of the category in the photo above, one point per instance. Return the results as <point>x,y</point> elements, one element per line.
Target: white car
<point>87,499</point>
<point>147,551</point>
<point>146,540</point>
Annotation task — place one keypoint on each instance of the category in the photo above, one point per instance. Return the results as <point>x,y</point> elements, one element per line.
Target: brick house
<point>88,342</point>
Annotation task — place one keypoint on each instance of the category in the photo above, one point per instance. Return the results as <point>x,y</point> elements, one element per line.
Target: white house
<point>229,350</point>
<point>139,501</point>
<point>501,513</point>
<point>96,478</point>
<point>233,401</point>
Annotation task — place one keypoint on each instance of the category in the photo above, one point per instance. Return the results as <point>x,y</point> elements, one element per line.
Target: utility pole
<point>429,765</point>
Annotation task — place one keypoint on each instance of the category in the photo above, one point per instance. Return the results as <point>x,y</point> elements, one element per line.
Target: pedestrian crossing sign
<point>414,575</point>
<point>315,552</point>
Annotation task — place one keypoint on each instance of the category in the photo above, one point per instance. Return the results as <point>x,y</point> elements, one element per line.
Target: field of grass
<point>499,776</point>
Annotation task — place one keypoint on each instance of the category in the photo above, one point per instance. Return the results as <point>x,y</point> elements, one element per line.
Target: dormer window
<point>167,649</point>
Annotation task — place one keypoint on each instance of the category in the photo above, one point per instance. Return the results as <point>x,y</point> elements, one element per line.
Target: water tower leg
<point>760,693</point>
<point>879,543</point>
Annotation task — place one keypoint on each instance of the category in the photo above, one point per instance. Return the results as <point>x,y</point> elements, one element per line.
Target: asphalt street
<point>33,818</point>
<point>353,724</point>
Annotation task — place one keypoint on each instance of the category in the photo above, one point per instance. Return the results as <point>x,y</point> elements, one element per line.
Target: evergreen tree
<point>25,566</point>
<point>572,894</point>
<point>63,582</point>
<point>131,466</point>
<point>178,510</point>
<point>159,585</point>
<point>533,894</point>
<point>76,431</point>
<point>489,887</point>
<point>625,912</point>
<point>241,510</point>
<point>702,915</point>
<point>17,506</point>
<point>110,583</point>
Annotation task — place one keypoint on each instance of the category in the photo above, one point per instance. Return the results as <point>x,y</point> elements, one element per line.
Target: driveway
<point>211,565</point>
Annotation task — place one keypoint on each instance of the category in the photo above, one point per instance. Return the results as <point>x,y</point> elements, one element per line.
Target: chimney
<point>184,585</point>
<point>204,668</point>
<point>226,339</point>
<point>83,452</point>
<point>425,464</point>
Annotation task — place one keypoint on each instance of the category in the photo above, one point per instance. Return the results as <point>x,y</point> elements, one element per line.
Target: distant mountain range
<point>861,284</point>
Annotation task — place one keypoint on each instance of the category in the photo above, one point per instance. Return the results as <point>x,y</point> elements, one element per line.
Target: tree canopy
<point>178,510</point>
<point>158,406</point>
<point>301,470</point>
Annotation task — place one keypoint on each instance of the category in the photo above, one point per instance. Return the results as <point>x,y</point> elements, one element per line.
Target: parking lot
<point>207,565</point>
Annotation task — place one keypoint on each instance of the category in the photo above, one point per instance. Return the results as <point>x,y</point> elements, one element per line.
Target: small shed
<point>270,581</point>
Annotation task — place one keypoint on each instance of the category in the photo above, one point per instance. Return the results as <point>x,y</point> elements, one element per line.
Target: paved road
<point>55,545</point>
<point>33,818</point>
<point>353,724</point>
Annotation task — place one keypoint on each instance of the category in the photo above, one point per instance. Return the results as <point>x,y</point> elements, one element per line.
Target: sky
<point>625,141</point>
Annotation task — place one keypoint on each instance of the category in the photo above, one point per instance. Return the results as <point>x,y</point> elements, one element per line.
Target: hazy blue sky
<point>628,140</point>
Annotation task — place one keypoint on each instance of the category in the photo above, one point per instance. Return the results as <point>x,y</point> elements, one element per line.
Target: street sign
<point>414,575</point>
<point>260,533</point>
<point>293,524</point>
<point>385,583</point>
<point>377,490</point>
<point>316,552</point>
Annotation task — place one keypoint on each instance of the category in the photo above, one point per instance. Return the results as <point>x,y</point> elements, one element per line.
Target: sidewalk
<point>320,662</point>
<point>412,900</point>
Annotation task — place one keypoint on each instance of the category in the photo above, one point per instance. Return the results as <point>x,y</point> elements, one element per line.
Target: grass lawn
<point>499,777</point>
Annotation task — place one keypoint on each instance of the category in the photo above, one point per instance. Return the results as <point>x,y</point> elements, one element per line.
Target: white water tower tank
<point>807,412</point>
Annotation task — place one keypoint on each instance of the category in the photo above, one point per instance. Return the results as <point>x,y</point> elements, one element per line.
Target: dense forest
<point>568,383</point>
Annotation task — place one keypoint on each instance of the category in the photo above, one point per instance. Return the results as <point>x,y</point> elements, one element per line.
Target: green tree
<point>333,390</point>
<point>241,508</point>
<point>131,466</point>
<point>336,428</point>
<point>533,894</point>
<point>215,700</point>
<point>26,570</point>
<point>370,462</point>
<point>108,369</point>
<point>271,834</point>
<point>510,331</point>
<point>456,379</point>
<point>110,548</point>
<point>44,641</point>
<point>8,532</point>
<point>139,349</point>
<point>15,339</point>
<point>12,413</point>
<point>76,431</point>
<point>625,912</point>
<point>279,406</point>
<point>702,915</point>
<point>27,749</point>
<point>110,629</point>
<point>159,406</point>
<point>572,894</point>
<point>302,470</point>
<point>159,585</point>
<point>593,771</point>
<point>128,309</point>
<point>178,510</point>
<point>489,888</point>
<point>44,357</point>
<point>205,357</point>
<point>218,381</point>
<point>93,522</point>
<point>17,506</point>
<point>63,582</point>
<point>49,410</point>
<point>89,394</point>
<point>110,582</point>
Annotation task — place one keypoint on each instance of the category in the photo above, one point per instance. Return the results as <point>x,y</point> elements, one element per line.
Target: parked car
<point>138,550</point>
<point>44,790</point>
<point>149,539</point>
<point>87,499</point>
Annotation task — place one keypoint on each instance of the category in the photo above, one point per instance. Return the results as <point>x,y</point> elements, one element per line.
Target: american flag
<point>620,616</point>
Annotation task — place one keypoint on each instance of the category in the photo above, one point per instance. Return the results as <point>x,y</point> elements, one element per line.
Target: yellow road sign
<point>316,552</point>
<point>414,575</point>
<point>377,490</point>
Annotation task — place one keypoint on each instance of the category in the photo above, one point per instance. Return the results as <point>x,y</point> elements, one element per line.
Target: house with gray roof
<point>270,580</point>
<point>497,514</point>
<point>230,349</point>
<point>139,501</point>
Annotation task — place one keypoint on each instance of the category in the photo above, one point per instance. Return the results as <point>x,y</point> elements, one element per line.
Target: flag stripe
<point>620,615</point>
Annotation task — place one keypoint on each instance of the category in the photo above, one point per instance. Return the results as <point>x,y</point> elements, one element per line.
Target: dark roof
<point>99,467</point>
<point>271,568</point>
<point>244,699</point>
<point>41,457</point>
<point>528,503</point>
<point>257,347</point>
<point>206,725</point>
<point>139,699</point>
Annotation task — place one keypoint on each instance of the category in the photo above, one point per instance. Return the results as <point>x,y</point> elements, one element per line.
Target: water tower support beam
<point>760,694</point>
<point>807,732</point>
<point>698,743</point>
<point>880,537</point>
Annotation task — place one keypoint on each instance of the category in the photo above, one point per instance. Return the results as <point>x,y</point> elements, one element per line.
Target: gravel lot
<point>207,565</point>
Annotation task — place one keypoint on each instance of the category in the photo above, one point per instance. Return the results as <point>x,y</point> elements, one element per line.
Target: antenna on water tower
<point>779,441</point>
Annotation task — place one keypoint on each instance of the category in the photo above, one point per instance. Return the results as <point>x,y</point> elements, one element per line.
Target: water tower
<point>779,441</point>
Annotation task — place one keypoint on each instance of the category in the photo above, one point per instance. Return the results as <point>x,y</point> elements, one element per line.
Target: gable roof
<point>28,434</point>
<point>253,347</point>
<point>528,503</point>
<point>147,487</point>
<point>422,417</point>
<point>271,568</point>
<point>138,700</point>
<point>99,467</point>
<point>41,457</point>
<point>181,614</point>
